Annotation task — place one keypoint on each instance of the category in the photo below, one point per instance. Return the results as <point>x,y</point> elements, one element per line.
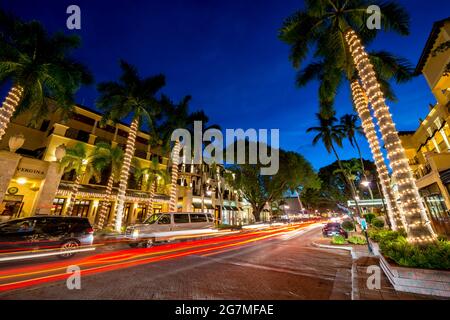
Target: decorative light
<point>9,107</point>
<point>21,181</point>
<point>411,203</point>
<point>173,185</point>
<point>16,142</point>
<point>60,152</point>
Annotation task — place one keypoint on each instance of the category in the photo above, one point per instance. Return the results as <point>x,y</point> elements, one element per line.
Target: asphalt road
<point>267,264</point>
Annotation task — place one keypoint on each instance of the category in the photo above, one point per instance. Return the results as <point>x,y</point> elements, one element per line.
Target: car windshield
<point>152,219</point>
<point>333,225</point>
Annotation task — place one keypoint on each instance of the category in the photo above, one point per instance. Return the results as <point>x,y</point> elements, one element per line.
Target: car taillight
<point>90,230</point>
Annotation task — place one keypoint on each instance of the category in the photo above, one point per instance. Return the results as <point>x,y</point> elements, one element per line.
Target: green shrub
<point>369,217</point>
<point>348,225</point>
<point>357,240</point>
<point>379,235</point>
<point>378,223</point>
<point>435,255</point>
<point>338,240</point>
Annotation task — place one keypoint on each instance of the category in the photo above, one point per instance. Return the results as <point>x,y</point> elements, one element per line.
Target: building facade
<point>32,181</point>
<point>428,147</point>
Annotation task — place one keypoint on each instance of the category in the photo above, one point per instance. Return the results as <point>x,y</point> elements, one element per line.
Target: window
<point>210,217</point>
<point>81,208</point>
<point>58,205</point>
<point>24,225</point>
<point>197,217</point>
<point>181,218</point>
<point>44,125</point>
<point>165,219</point>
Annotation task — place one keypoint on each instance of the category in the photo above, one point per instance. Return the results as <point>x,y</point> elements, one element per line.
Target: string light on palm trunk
<point>125,173</point>
<point>9,107</point>
<point>411,203</point>
<point>173,186</point>
<point>361,104</point>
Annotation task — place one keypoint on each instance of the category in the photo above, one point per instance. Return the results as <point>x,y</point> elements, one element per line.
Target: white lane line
<point>40,255</point>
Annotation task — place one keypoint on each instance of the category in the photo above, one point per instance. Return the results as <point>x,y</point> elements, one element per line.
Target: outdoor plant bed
<point>415,280</point>
<point>422,269</point>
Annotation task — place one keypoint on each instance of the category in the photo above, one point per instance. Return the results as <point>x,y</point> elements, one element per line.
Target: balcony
<point>429,173</point>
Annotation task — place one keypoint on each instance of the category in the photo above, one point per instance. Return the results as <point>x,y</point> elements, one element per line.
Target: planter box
<point>421,281</point>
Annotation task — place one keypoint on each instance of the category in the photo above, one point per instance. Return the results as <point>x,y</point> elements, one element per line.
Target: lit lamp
<point>16,142</point>
<point>365,183</point>
<point>60,152</point>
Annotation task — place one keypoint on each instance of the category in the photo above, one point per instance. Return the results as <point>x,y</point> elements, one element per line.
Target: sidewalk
<point>362,259</point>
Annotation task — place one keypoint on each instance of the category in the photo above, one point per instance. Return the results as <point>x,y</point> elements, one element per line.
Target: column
<point>8,164</point>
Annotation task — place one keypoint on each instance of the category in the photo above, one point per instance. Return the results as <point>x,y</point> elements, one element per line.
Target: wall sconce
<point>60,152</point>
<point>16,142</point>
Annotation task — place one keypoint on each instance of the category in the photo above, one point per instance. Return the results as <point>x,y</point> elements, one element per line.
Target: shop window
<point>58,206</point>
<point>141,212</point>
<point>81,208</point>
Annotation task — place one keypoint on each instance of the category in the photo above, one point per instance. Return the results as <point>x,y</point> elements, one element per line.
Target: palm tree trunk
<point>125,173</point>
<point>9,106</point>
<point>361,104</point>
<point>349,183</point>
<point>419,227</point>
<point>103,205</point>
<point>73,194</point>
<point>173,186</point>
<point>150,199</point>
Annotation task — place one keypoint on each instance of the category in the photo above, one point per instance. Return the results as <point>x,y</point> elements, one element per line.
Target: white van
<point>167,226</point>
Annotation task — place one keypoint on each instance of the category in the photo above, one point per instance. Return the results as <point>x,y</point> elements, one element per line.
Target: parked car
<point>46,232</point>
<point>166,226</point>
<point>334,229</point>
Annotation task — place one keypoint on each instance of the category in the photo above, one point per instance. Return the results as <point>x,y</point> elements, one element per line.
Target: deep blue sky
<point>227,56</point>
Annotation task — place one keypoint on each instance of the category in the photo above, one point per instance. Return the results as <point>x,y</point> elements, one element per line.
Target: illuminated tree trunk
<point>362,107</point>
<point>418,225</point>
<point>150,199</point>
<point>125,173</point>
<point>173,186</point>
<point>73,194</point>
<point>103,206</point>
<point>9,106</point>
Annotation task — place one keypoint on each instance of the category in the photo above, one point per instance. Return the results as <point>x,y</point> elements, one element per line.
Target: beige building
<point>428,147</point>
<point>32,182</point>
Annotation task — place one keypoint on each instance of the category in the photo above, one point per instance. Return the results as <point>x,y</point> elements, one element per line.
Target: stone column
<point>48,189</point>
<point>8,165</point>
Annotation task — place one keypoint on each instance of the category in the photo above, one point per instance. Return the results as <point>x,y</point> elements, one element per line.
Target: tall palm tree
<point>330,134</point>
<point>388,67</point>
<point>151,176</point>
<point>338,27</point>
<point>178,116</point>
<point>131,97</point>
<point>104,157</point>
<point>39,67</point>
<point>77,160</point>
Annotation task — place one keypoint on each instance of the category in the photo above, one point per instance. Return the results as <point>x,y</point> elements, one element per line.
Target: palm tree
<point>151,176</point>
<point>77,160</point>
<point>388,67</point>
<point>337,28</point>
<point>330,134</point>
<point>105,156</point>
<point>178,116</point>
<point>132,97</point>
<point>39,67</point>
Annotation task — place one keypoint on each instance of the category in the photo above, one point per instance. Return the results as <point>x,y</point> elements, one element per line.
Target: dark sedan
<point>334,229</point>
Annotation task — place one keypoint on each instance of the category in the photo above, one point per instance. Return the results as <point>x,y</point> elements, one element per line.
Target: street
<point>279,263</point>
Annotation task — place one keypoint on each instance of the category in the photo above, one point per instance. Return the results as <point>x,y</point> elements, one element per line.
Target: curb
<point>326,246</point>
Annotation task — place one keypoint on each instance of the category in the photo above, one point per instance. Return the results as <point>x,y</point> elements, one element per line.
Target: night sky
<point>226,54</point>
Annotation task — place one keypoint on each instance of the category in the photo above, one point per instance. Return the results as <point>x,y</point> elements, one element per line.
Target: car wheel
<point>147,243</point>
<point>67,247</point>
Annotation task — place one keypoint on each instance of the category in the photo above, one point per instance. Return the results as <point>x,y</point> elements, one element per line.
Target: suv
<point>46,232</point>
<point>167,226</point>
